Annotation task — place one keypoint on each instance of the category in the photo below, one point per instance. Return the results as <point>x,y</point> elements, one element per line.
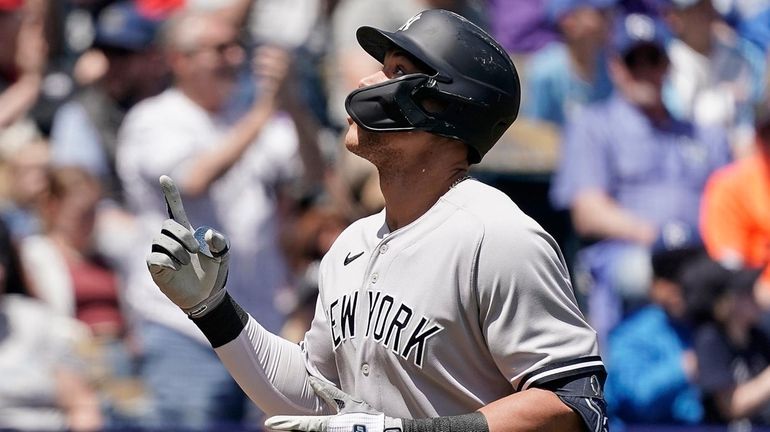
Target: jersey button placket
<point>374,278</point>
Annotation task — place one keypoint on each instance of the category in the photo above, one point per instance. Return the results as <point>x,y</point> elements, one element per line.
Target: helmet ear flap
<point>500,127</point>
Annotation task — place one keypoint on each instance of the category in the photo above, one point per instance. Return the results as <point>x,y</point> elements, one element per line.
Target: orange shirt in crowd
<point>735,213</point>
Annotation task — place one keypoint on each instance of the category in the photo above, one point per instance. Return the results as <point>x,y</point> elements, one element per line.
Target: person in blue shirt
<point>651,362</point>
<point>564,76</point>
<point>630,174</point>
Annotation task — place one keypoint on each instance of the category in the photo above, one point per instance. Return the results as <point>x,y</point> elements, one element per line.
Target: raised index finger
<point>174,204</point>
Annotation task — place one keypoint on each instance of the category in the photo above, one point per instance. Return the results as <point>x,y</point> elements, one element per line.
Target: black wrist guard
<point>473,422</point>
<point>223,323</point>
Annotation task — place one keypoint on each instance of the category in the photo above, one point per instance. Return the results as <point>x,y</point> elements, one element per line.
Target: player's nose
<point>374,78</point>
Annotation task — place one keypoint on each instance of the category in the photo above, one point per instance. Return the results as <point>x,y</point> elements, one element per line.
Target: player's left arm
<point>537,335</point>
<point>531,410</point>
<point>527,411</point>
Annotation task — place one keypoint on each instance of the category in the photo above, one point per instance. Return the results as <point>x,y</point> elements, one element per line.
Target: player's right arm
<point>190,267</point>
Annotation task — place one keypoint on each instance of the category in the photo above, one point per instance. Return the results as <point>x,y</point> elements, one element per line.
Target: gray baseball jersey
<point>465,305</point>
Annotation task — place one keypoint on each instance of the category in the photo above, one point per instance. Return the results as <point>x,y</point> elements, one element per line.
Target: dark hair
<point>704,282</point>
<point>670,264</point>
<point>742,281</point>
<point>647,54</point>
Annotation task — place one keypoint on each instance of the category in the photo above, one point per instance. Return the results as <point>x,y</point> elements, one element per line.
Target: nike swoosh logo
<point>349,259</point>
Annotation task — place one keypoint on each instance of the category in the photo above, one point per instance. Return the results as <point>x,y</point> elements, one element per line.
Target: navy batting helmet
<point>471,77</point>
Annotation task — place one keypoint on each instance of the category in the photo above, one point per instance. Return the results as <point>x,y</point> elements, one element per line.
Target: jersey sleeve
<point>317,347</point>
<point>529,315</point>
<point>272,371</point>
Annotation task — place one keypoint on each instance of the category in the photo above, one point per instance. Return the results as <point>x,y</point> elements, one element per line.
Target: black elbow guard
<point>584,393</point>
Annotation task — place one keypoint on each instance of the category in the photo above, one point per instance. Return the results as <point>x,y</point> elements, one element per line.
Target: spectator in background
<point>71,277</point>
<point>43,386</point>
<point>306,240</point>
<point>734,218</point>
<point>230,167</point>
<point>26,165</point>
<point>651,364</point>
<point>716,77</point>
<point>631,175</point>
<point>23,51</point>
<point>651,8</point>
<point>74,279</point>
<point>85,129</point>
<point>733,354</point>
<point>755,28</point>
<point>521,26</point>
<point>303,28</point>
<point>159,9</point>
<point>564,77</point>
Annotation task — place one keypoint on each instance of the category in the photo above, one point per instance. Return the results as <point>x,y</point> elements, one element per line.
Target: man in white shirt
<point>229,165</point>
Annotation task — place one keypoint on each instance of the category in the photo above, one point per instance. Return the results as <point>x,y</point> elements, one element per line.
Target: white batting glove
<point>189,266</point>
<point>353,415</point>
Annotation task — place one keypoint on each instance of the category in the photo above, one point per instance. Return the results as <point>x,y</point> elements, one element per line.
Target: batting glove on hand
<point>189,266</point>
<point>353,415</point>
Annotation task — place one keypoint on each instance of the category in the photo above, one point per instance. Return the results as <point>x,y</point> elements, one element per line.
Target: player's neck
<point>408,195</point>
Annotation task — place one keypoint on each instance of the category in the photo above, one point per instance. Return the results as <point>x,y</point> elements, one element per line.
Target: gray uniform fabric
<point>448,313</point>
<point>468,304</point>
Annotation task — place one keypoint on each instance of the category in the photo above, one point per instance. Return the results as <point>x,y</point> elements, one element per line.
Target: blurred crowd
<point>648,119</point>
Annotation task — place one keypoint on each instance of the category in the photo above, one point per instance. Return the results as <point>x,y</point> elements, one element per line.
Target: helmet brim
<point>377,42</point>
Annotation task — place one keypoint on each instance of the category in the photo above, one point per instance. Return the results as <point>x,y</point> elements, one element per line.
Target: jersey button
<point>383,248</point>
<point>374,278</point>
<point>365,369</point>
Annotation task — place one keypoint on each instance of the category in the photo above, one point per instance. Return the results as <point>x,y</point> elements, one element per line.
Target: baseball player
<point>450,310</point>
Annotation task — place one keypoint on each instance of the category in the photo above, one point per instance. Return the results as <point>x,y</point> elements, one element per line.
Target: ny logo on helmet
<point>410,22</point>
